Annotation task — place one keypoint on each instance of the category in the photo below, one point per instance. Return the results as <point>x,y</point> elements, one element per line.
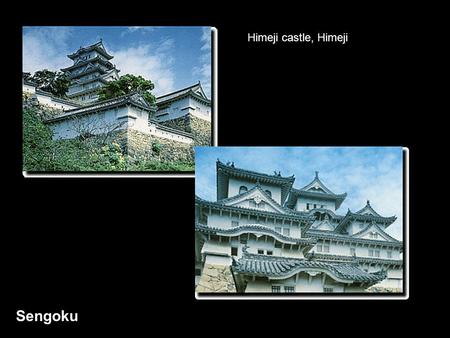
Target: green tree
<point>56,83</point>
<point>127,84</point>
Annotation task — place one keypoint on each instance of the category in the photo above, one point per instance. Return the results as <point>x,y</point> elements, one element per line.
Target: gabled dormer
<point>374,232</point>
<point>368,210</point>
<point>354,222</point>
<point>255,198</point>
<point>232,181</point>
<point>314,195</point>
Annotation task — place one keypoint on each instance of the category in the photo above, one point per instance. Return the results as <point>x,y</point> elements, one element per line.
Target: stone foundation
<point>216,278</point>
<point>380,289</point>
<point>138,145</point>
<point>200,129</point>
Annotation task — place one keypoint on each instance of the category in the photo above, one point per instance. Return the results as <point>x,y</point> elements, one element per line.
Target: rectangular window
<point>286,231</point>
<point>260,252</point>
<point>278,245</point>
<point>326,248</point>
<point>243,241</point>
<point>234,223</point>
<point>198,272</point>
<point>276,289</point>
<point>327,290</point>
<point>307,206</point>
<point>319,247</point>
<point>234,251</point>
<point>322,206</point>
<point>352,251</point>
<point>371,253</point>
<point>389,254</point>
<point>269,252</point>
<point>377,253</point>
<point>315,206</point>
<point>278,229</point>
<point>289,289</point>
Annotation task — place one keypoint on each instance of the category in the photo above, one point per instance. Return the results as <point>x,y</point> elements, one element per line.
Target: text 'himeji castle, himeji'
<point>180,118</point>
<point>263,235</point>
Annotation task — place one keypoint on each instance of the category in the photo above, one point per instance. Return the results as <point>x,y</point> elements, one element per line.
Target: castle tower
<point>91,69</point>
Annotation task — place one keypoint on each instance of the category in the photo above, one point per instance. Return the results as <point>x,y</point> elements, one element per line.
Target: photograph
<point>115,99</point>
<point>283,220</point>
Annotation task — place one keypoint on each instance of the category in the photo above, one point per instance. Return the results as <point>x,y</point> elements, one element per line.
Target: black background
<point>120,251</point>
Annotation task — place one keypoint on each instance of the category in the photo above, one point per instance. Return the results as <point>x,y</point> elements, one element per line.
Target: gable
<point>323,225</point>
<point>316,187</point>
<point>373,232</point>
<point>256,199</point>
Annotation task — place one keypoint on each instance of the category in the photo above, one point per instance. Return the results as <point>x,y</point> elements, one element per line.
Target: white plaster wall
<point>234,185</point>
<point>174,110</point>
<point>225,221</point>
<point>200,109</point>
<point>360,251</point>
<point>28,88</point>
<point>303,284</point>
<point>67,128</point>
<point>183,107</point>
<point>302,201</point>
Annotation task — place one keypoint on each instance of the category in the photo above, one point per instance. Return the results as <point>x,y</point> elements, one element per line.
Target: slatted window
<point>389,254</point>
<point>234,251</point>
<point>352,251</point>
<point>234,223</point>
<point>371,253</point>
<point>289,289</point>
<point>327,290</point>
<point>286,231</point>
<point>276,289</point>
<point>270,253</point>
<point>326,248</point>
<point>260,252</point>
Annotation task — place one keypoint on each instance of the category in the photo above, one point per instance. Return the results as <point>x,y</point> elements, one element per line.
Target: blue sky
<point>172,57</point>
<point>364,173</point>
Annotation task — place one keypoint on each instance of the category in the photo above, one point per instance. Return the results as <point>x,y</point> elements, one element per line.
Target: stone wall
<point>200,129</point>
<point>138,145</point>
<point>216,278</point>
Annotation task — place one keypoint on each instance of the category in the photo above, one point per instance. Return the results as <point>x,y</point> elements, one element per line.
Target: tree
<point>127,84</point>
<point>56,83</point>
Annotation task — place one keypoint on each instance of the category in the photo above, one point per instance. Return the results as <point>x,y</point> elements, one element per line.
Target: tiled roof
<point>224,171</point>
<point>248,192</point>
<point>254,228</point>
<point>355,259</point>
<point>98,46</point>
<point>131,98</point>
<point>181,93</point>
<point>283,267</point>
<point>330,235</point>
<point>379,229</point>
<point>219,206</point>
<point>351,216</point>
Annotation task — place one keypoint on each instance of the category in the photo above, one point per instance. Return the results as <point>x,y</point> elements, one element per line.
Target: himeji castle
<point>264,235</point>
<point>182,117</point>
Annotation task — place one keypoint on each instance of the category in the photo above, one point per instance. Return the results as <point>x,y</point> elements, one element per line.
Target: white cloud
<point>203,71</point>
<point>45,48</point>
<point>153,62</point>
<point>134,29</point>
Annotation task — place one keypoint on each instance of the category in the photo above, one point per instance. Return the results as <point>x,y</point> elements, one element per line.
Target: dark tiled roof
<point>273,266</point>
<point>98,46</point>
<point>191,90</point>
<point>219,206</point>
<point>131,98</point>
<point>224,171</point>
<point>354,259</point>
<point>330,235</point>
<point>254,228</point>
<point>351,216</point>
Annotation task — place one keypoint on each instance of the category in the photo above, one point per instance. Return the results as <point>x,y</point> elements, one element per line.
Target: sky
<point>171,57</point>
<point>364,173</point>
